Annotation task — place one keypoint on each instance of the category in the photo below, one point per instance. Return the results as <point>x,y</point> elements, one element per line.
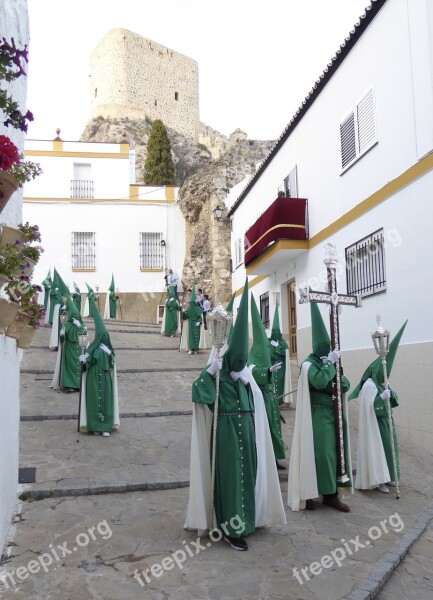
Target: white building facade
<point>357,157</point>
<point>96,222</point>
<point>13,24</point>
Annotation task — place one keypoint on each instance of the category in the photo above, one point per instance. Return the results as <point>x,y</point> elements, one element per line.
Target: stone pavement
<point>104,519</point>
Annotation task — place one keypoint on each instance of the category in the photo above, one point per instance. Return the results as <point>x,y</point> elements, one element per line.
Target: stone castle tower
<point>131,76</point>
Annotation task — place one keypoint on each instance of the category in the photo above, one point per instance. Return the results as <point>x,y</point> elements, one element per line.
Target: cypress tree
<point>159,167</point>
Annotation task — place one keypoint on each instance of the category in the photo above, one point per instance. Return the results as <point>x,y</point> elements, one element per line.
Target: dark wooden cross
<point>335,301</point>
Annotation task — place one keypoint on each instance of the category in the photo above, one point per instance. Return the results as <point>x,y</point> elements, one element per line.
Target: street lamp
<point>218,213</point>
<point>381,345</point>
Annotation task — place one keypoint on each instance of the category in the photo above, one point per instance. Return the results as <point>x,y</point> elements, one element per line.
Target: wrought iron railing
<point>365,265</point>
<point>82,188</point>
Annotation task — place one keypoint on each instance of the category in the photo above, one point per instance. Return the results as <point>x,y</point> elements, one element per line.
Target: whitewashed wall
<point>13,23</point>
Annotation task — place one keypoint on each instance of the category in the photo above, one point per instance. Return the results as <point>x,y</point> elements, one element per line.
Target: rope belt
<point>242,413</point>
<point>320,406</point>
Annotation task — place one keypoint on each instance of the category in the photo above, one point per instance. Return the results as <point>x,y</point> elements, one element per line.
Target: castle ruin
<point>131,76</point>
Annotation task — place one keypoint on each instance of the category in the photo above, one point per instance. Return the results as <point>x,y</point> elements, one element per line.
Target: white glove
<point>83,357</point>
<point>62,332</point>
<point>333,356</point>
<point>171,299</point>
<point>76,322</point>
<point>274,343</point>
<point>386,395</point>
<point>242,375</point>
<point>105,349</point>
<point>215,366</point>
<point>198,323</point>
<point>275,367</point>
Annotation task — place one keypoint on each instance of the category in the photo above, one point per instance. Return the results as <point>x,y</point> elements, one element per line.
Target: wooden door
<point>291,295</point>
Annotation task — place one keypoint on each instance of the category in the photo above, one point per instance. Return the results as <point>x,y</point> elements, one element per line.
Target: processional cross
<point>335,301</point>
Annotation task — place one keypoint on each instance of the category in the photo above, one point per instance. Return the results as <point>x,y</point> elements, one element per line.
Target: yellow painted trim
<point>151,270</point>
<point>388,190</point>
<point>92,200</point>
<point>272,229</point>
<point>60,153</point>
<point>124,147</point>
<point>169,193</point>
<point>83,271</point>
<point>251,284</point>
<point>57,145</point>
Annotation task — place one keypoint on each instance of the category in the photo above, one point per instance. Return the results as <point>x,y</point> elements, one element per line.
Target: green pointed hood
<point>101,332</point>
<point>229,307</point>
<point>236,355</point>
<point>47,281</point>
<point>76,288</point>
<point>320,335</point>
<point>375,370</point>
<point>55,278</point>
<point>194,310</point>
<point>64,290</point>
<point>276,334</point>
<point>112,287</point>
<point>171,292</point>
<point>72,310</point>
<point>259,354</point>
<point>89,289</point>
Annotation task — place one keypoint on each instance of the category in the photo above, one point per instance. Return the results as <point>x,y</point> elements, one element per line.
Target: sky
<point>257,59</point>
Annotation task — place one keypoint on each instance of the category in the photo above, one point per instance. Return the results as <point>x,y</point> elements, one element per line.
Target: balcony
<point>82,188</point>
<point>278,235</point>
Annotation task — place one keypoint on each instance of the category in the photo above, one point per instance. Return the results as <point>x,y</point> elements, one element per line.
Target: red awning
<point>285,219</point>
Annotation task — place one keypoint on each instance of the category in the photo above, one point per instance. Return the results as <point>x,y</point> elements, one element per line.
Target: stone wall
<point>131,76</point>
<point>208,251</point>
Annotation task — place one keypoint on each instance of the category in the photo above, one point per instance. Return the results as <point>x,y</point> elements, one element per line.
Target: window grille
<point>365,265</point>
<point>358,131</point>
<point>151,250</point>
<point>82,184</point>
<point>238,252</point>
<point>83,250</point>
<point>291,184</point>
<point>264,309</point>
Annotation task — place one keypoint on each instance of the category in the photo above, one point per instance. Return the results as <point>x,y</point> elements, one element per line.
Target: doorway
<point>293,325</point>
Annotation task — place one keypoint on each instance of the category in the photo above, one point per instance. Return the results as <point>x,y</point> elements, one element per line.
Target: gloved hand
<point>215,366</point>
<point>274,343</point>
<point>83,357</point>
<point>276,367</point>
<point>386,395</point>
<point>198,323</point>
<point>62,332</point>
<point>76,322</point>
<point>105,349</point>
<point>333,356</point>
<point>242,375</point>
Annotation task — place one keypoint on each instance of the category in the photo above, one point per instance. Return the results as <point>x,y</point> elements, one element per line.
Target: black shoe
<point>70,390</point>
<point>280,467</point>
<point>309,505</point>
<point>236,543</point>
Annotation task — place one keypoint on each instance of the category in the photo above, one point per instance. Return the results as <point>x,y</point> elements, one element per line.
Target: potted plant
<point>14,172</point>
<point>11,261</point>
<point>28,317</point>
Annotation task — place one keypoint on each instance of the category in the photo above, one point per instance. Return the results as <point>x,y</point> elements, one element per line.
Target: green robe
<point>70,360</point>
<point>278,354</point>
<point>320,376</point>
<point>54,299</point>
<point>76,297</point>
<point>113,304</point>
<point>47,288</point>
<point>236,460</point>
<point>381,412</point>
<point>264,381</point>
<point>99,391</point>
<point>194,316</point>
<point>171,316</point>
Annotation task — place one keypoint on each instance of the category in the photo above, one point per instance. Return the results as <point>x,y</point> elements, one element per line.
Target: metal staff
<point>287,394</point>
<point>218,326</point>
<point>63,319</point>
<point>381,345</point>
<point>120,304</point>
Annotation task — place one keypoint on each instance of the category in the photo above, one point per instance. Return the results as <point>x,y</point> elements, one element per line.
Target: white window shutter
<point>366,122</point>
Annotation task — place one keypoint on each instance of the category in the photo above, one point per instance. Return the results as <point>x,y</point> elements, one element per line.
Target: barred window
<point>290,184</point>
<point>365,265</point>
<point>151,250</point>
<point>83,250</point>
<point>358,131</point>
<point>264,309</point>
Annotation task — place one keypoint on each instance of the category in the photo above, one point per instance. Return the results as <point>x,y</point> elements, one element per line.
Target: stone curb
<point>131,415</point>
<point>162,370</point>
<point>370,587</point>
<point>41,494</point>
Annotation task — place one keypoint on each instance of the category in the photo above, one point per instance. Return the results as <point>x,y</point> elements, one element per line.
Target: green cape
<point>236,355</point>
